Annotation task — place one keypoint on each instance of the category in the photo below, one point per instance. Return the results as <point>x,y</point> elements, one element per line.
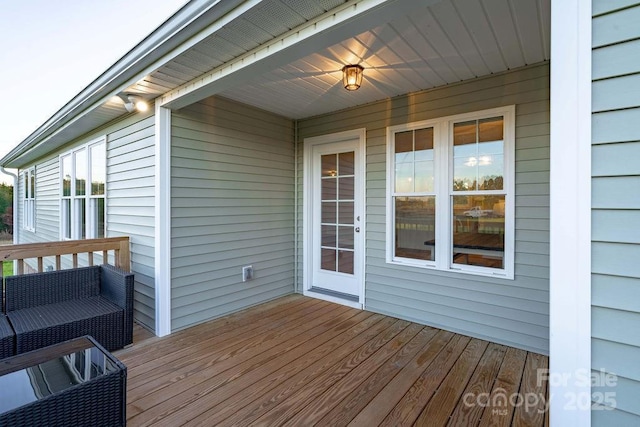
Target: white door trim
<point>307,212</point>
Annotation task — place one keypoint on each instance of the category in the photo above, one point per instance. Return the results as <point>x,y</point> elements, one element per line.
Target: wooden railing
<point>39,251</point>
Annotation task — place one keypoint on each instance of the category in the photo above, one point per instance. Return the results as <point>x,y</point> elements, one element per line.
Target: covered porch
<point>302,361</point>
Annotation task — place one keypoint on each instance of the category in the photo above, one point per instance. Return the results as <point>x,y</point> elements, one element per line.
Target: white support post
<point>570,213</point>
<point>163,219</point>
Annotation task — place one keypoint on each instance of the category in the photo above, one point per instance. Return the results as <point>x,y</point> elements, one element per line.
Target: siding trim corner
<point>162,220</point>
<point>570,212</point>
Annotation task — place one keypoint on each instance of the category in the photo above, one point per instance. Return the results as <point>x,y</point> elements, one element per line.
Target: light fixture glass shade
<point>352,76</point>
<point>134,102</point>
<point>141,105</point>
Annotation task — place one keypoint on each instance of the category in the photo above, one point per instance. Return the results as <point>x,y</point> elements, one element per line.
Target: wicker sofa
<point>48,308</point>
<point>7,338</point>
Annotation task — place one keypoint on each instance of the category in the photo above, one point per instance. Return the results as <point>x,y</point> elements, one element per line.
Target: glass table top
<point>60,372</point>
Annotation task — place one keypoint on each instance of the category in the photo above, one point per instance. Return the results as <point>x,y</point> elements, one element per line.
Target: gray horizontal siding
<point>130,205</point>
<point>130,200</point>
<point>615,248</point>
<point>513,312</point>
<point>232,200</point>
<point>48,200</point>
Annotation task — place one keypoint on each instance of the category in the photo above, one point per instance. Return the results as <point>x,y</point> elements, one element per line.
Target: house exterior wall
<point>232,198</point>
<point>130,204</point>
<point>615,344</point>
<point>512,312</point>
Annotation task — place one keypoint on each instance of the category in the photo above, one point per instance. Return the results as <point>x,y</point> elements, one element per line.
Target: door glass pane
<point>345,188</point>
<point>346,163</point>
<point>345,237</point>
<point>345,262</point>
<point>337,212</point>
<point>415,220</point>
<point>329,212</point>
<point>478,230</point>
<point>329,235</point>
<point>328,259</point>
<point>329,165</point>
<point>329,188</point>
<point>345,212</point>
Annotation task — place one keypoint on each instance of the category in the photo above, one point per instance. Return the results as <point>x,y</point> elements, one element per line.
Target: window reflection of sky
<point>414,171</point>
<point>477,162</point>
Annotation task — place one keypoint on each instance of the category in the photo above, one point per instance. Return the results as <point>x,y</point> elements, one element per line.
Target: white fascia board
<point>352,18</point>
<point>172,38</point>
<point>162,220</point>
<point>570,213</point>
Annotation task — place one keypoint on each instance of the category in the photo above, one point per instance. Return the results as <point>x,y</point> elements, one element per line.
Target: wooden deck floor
<point>299,361</point>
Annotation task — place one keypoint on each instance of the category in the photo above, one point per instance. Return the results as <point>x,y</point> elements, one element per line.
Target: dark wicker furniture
<point>7,338</point>
<point>48,308</point>
<point>75,383</point>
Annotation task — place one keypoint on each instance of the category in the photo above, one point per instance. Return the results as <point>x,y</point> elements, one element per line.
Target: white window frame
<point>443,177</point>
<point>29,201</point>
<point>90,219</point>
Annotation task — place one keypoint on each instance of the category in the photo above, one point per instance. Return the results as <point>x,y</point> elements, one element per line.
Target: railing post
<point>125,256</point>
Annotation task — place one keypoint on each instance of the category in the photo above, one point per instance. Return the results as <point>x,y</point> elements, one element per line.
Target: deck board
<point>300,361</point>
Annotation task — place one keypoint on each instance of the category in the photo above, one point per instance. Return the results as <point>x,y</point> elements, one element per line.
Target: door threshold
<point>333,296</point>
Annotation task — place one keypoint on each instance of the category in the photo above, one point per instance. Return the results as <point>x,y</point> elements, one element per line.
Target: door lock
<point>357,230</point>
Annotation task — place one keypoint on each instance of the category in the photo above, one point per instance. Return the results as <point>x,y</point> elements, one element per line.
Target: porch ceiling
<point>448,42</point>
<point>404,45</point>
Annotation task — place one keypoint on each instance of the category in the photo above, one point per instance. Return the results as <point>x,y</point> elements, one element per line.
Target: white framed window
<point>29,201</point>
<point>451,193</point>
<point>82,190</point>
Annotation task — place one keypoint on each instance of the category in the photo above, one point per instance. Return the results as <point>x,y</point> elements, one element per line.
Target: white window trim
<point>443,154</point>
<point>29,201</point>
<point>89,218</point>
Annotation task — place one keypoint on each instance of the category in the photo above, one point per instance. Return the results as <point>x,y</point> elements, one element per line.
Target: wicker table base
<point>74,383</point>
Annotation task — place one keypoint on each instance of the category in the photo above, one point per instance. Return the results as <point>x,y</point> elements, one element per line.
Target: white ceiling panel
<point>504,27</point>
<point>476,23</point>
<point>451,41</point>
<point>455,32</point>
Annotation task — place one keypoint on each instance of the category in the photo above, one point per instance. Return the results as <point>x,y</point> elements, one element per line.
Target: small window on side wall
<point>29,199</point>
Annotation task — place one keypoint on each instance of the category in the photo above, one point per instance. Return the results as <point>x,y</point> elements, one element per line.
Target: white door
<point>335,236</point>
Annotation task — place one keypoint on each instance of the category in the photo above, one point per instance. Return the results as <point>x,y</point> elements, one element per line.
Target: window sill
<point>468,270</point>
